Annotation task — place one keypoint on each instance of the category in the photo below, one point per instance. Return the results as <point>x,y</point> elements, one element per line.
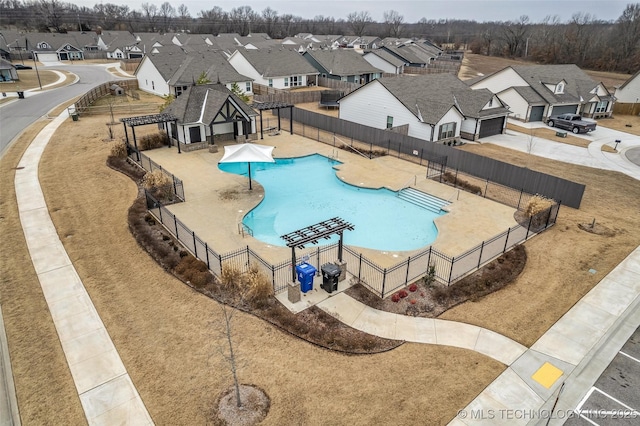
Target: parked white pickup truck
<point>572,122</point>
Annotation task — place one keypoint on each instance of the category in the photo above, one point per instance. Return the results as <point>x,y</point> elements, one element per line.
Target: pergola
<point>263,106</point>
<point>313,233</point>
<point>143,120</point>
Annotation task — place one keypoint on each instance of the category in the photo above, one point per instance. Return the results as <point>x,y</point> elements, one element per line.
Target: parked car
<point>573,122</point>
<point>21,67</point>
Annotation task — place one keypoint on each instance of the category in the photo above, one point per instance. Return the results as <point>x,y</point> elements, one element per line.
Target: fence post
<point>359,267</point>
<point>455,180</point>
<point>318,134</point>
<point>506,241</point>
<point>421,153</point>
<point>480,257</point>
<point>486,188</point>
<point>384,279</point>
<point>248,260</point>
<point>195,247</point>
<point>160,213</point>
<point>273,278</point>
<point>429,259</point>
<point>175,189</point>
<point>388,146</point>
<point>520,199</point>
<point>528,227</point>
<point>453,260</point>
<point>318,257</point>
<point>175,224</point>
<point>406,277</point>
<point>220,261</point>
<point>546,225</point>
<point>206,249</point>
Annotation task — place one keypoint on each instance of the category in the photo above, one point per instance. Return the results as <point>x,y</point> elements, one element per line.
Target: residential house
<point>385,61</point>
<point>173,69</point>
<point>536,92</point>
<point>433,107</point>
<point>210,113</point>
<point>412,54</point>
<point>343,65</point>
<point>8,72</point>
<point>53,47</point>
<point>277,68</point>
<point>628,95</point>
<point>365,43</point>
<point>119,45</point>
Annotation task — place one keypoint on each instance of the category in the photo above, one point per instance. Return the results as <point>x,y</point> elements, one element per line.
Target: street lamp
<point>35,64</point>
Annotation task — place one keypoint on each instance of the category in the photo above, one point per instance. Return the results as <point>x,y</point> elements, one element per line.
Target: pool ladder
<point>244,229</point>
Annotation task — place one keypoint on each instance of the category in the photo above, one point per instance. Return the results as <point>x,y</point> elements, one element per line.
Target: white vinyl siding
<point>452,116</point>
<point>372,104</point>
<point>500,81</point>
<point>381,64</point>
<point>468,126</point>
<point>150,80</point>
<point>517,104</point>
<point>630,93</point>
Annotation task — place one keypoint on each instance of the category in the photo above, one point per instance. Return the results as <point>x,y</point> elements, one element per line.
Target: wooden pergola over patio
<point>143,120</point>
<point>263,106</point>
<point>314,233</point>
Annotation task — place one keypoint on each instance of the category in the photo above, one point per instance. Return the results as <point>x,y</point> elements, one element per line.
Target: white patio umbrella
<point>249,153</point>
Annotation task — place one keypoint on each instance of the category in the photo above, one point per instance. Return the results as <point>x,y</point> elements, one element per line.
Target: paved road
<point>20,114</point>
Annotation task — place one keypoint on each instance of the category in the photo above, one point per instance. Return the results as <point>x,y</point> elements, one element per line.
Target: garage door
<point>47,57</point>
<point>491,127</point>
<point>564,109</point>
<point>536,113</point>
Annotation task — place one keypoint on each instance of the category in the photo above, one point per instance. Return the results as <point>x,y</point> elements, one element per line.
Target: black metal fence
<point>149,165</point>
<point>520,178</point>
<point>381,281</point>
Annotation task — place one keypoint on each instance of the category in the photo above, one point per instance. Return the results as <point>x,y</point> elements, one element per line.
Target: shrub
<point>537,204</point>
<point>158,184</point>
<point>413,287</point>
<point>412,301</point>
<point>256,286</point>
<point>231,277</point>
<point>119,150</point>
<point>153,141</point>
<point>396,297</point>
<point>403,294</point>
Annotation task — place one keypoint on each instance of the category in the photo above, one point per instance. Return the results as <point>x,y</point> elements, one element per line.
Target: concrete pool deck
<point>217,201</point>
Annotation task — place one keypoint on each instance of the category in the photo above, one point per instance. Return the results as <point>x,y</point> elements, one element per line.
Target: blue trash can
<point>305,273</point>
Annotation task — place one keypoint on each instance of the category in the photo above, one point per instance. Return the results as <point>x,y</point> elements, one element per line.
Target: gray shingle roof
<point>204,101</point>
<point>629,80</point>
<point>432,95</point>
<point>343,62</point>
<point>180,67</point>
<point>384,54</point>
<point>278,62</point>
<point>577,89</point>
<point>529,94</point>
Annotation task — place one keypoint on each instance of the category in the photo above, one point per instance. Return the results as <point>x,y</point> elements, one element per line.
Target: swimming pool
<point>304,191</point>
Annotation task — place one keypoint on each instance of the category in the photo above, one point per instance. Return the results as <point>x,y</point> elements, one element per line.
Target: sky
<point>412,10</point>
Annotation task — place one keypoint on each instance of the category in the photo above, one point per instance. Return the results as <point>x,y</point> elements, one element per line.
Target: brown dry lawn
<point>621,122</point>
<point>168,335</point>
<point>29,80</point>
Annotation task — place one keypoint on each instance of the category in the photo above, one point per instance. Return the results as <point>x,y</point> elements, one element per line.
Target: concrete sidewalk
<point>106,391</point>
<point>571,354</point>
<point>422,330</point>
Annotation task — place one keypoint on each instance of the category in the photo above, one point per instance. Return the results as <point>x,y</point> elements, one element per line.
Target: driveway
<point>590,157</point>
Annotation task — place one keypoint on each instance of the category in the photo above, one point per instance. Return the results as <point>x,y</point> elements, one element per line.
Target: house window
<point>153,86</point>
<point>602,106</point>
<point>178,91</point>
<point>248,87</point>
<point>560,88</point>
<point>286,82</point>
<point>447,131</point>
<point>296,80</point>
<point>389,121</point>
<point>271,82</point>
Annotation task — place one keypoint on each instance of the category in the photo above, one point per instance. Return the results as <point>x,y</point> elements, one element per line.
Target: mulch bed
<point>431,300</point>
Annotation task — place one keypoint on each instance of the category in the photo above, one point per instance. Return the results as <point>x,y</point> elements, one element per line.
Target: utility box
<point>330,276</point>
<point>305,273</point>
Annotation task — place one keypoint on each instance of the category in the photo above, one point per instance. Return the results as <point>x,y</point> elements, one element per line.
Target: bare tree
<point>167,14</point>
<point>514,35</point>
<point>228,352</point>
<point>242,18</point>
<point>393,20</point>
<point>52,12</point>
<point>628,31</point>
<point>213,20</point>
<point>184,16</point>
<point>270,20</point>
<point>150,12</point>
<point>358,21</point>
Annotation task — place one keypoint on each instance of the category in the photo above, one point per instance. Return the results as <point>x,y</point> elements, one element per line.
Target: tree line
<point>583,39</point>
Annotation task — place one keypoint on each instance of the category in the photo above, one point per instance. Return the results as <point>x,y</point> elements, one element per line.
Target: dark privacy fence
<point>381,281</point>
<point>564,191</point>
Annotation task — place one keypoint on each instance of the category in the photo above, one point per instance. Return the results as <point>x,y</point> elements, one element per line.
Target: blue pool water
<point>303,191</point>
